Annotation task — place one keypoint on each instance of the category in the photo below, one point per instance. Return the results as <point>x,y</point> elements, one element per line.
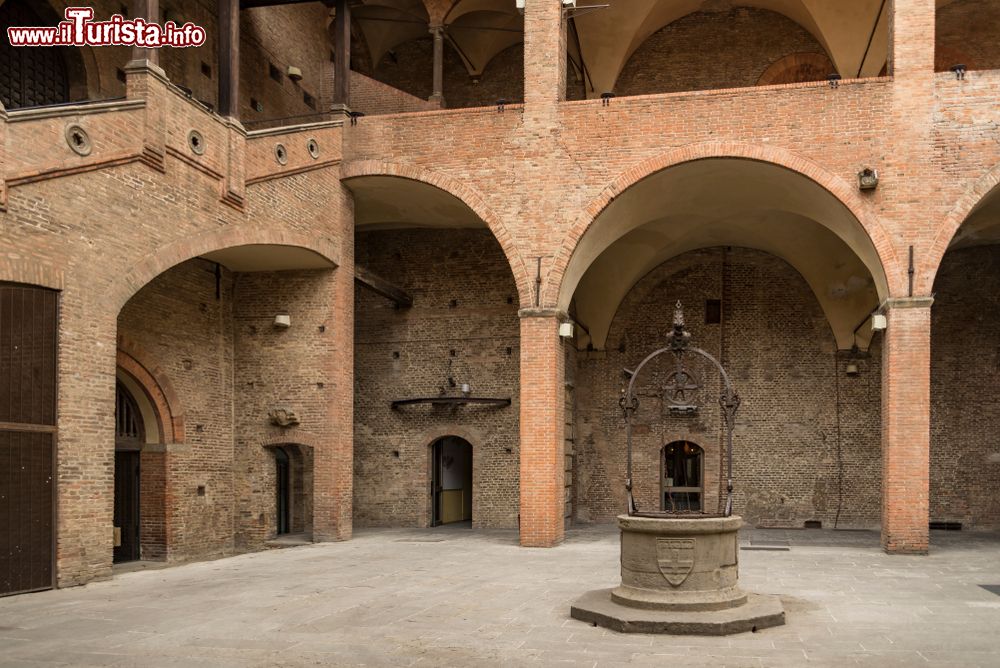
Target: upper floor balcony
<point>813,75</point>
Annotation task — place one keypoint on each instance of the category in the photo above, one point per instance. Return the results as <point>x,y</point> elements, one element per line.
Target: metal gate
<point>28,328</point>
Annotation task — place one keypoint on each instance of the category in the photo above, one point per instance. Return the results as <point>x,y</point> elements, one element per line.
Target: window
<point>682,477</point>
<point>274,72</point>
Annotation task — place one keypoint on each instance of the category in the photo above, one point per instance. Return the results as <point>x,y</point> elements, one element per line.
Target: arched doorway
<point>451,481</point>
<point>682,483</point>
<point>129,437</point>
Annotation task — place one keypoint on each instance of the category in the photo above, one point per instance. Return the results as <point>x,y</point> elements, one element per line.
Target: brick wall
<point>270,374</point>
<point>409,67</point>
<point>407,353</point>
<point>707,50</point>
<point>966,33</point>
<point>188,334</point>
<point>965,458</point>
<point>791,442</point>
<point>373,98</point>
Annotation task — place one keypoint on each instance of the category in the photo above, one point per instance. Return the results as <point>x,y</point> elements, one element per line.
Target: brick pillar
<point>911,37</point>
<point>906,373</point>
<point>542,429</point>
<point>544,55</point>
<point>333,463</point>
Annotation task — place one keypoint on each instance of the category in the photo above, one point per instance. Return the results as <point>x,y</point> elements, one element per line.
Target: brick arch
<point>299,437</point>
<point>154,264</point>
<point>797,68</point>
<point>158,388</point>
<point>470,436</point>
<point>460,191</point>
<point>836,186</point>
<point>984,186</point>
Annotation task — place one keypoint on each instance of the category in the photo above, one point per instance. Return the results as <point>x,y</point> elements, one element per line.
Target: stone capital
<point>543,312</point>
<point>146,67</point>
<point>905,302</point>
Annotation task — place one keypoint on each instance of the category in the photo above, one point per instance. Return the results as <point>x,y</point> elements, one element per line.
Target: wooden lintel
<point>380,286</point>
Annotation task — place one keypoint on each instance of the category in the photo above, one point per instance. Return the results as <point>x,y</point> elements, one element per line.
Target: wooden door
<point>28,324</point>
<point>126,505</point>
<point>284,488</point>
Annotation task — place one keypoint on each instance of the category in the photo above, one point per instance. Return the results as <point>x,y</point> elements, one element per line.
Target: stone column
<point>149,11</point>
<point>438,87</point>
<point>229,58</point>
<point>906,426</point>
<point>542,437</point>
<point>342,54</point>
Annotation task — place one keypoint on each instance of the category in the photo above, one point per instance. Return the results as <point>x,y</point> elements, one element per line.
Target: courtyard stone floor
<point>459,597</point>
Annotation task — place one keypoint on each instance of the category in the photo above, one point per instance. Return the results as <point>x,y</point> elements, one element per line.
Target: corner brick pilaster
<point>3,160</point>
<point>333,494</point>
<point>542,428</point>
<point>906,374</point>
<point>146,81</point>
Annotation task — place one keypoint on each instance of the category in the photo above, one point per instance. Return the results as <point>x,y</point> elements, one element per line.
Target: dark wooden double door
<point>126,505</point>
<point>28,318</point>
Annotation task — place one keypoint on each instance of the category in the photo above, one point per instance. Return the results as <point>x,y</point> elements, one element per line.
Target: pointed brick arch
<point>157,387</point>
<point>464,193</point>
<point>844,192</point>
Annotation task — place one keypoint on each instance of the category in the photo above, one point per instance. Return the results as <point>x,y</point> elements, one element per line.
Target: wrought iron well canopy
<point>680,383</point>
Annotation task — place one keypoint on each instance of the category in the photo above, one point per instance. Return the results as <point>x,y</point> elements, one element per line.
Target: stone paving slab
<point>446,597</point>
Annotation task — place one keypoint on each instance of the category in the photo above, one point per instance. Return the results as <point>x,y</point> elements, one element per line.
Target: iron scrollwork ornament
<point>680,389</point>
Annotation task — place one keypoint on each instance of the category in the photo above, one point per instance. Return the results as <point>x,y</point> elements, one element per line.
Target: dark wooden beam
<point>342,54</point>
<point>229,58</point>
<point>382,287</point>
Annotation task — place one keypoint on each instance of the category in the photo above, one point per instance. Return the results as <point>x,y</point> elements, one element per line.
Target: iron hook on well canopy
<point>681,384</point>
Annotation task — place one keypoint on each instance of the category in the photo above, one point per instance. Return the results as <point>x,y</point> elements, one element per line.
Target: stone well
<point>680,575</point>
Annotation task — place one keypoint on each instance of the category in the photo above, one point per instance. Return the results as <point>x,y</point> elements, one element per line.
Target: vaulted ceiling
<point>856,37</point>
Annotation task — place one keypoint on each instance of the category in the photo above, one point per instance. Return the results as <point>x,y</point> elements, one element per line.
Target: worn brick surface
<point>463,326</point>
<point>102,227</point>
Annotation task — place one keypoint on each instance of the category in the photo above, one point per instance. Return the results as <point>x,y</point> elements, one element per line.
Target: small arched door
<point>682,481</point>
<point>129,437</point>
<point>451,481</point>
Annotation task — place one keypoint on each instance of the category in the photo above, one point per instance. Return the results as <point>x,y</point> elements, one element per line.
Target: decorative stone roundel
<point>281,154</point>
<point>196,142</point>
<point>78,140</point>
<point>313,147</point>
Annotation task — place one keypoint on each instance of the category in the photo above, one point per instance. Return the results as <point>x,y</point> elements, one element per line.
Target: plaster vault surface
<point>457,597</point>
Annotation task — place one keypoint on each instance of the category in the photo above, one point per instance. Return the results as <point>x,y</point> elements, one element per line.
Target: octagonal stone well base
<point>679,576</point>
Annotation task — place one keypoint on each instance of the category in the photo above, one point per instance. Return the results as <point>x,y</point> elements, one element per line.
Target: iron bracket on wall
<point>452,401</point>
